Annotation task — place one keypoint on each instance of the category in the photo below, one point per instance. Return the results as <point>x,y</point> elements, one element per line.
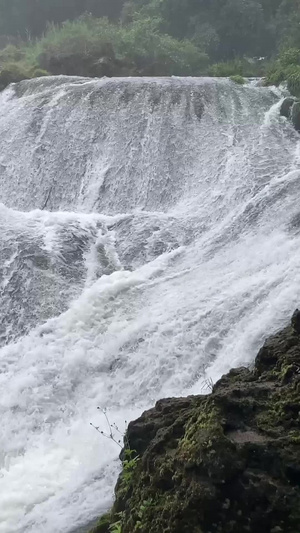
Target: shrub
<point>238,79</point>
<point>276,75</point>
<point>95,47</point>
<point>290,56</point>
<point>103,525</point>
<point>227,69</point>
<point>245,67</point>
<point>11,54</point>
<point>293,81</point>
<point>159,54</point>
<point>136,48</point>
<point>74,47</point>
<point>85,35</point>
<point>12,73</point>
<point>237,67</point>
<point>39,73</point>
<point>286,68</point>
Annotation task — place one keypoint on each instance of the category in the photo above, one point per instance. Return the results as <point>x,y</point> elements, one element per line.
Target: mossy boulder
<point>76,63</point>
<point>13,73</point>
<point>238,79</point>
<point>40,73</point>
<point>293,80</point>
<point>295,115</point>
<point>228,462</point>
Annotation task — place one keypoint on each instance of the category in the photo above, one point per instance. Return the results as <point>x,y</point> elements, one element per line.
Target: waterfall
<point>150,234</point>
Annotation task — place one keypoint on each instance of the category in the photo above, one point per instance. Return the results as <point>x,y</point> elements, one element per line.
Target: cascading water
<point>150,234</point>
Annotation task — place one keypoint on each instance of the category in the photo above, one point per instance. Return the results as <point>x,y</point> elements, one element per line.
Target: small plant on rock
<point>142,511</point>
<point>116,527</point>
<point>129,462</point>
<point>293,82</point>
<point>238,79</point>
<point>13,73</point>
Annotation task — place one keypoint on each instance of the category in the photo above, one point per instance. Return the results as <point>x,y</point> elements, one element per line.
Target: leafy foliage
<point>289,56</point>
<point>224,29</point>
<point>102,525</point>
<point>238,67</point>
<point>238,79</point>
<point>13,72</point>
<point>30,18</point>
<point>154,37</point>
<point>286,68</point>
<point>293,81</point>
<point>96,47</point>
<point>129,463</point>
<point>150,38</point>
<point>116,527</point>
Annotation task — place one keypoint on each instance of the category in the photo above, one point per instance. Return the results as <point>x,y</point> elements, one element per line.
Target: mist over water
<point>149,241</point>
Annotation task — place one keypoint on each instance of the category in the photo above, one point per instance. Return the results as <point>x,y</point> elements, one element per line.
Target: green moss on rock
<point>228,462</point>
<point>238,79</point>
<point>293,81</point>
<point>286,69</point>
<point>39,73</point>
<point>13,73</point>
<point>103,525</point>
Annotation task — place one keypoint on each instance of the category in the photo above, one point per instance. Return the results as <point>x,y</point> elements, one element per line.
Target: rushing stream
<point>150,237</point>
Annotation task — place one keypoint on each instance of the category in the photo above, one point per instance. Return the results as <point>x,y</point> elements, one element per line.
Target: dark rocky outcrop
<point>290,108</point>
<point>12,73</point>
<point>286,107</point>
<point>228,462</point>
<point>97,66</point>
<point>295,115</point>
<point>296,321</point>
<point>86,65</point>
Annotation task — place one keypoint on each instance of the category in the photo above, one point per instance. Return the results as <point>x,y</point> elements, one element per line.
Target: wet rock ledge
<point>290,109</point>
<point>228,462</point>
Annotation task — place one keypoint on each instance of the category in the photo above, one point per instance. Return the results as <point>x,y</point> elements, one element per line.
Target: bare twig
<point>208,384</point>
<point>110,435</point>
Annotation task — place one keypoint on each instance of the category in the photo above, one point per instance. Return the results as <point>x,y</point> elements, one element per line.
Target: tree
<point>30,17</point>
<point>240,27</point>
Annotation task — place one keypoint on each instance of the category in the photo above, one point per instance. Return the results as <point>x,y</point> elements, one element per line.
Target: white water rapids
<point>150,237</point>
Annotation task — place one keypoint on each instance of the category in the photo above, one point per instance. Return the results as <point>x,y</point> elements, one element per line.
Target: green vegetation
<point>27,18</point>
<point>150,37</point>
<point>246,68</point>
<point>103,524</point>
<point>109,524</point>
<point>238,79</point>
<point>286,68</point>
<point>223,28</point>
<point>116,527</point>
<point>18,71</point>
<point>97,47</point>
<point>13,72</point>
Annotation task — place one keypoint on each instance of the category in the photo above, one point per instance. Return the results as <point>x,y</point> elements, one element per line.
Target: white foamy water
<point>150,234</point>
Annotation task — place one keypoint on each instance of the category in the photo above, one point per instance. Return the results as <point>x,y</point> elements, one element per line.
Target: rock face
<point>296,321</point>
<point>78,64</point>
<point>228,462</point>
<point>290,108</point>
<point>295,115</point>
<point>286,107</point>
